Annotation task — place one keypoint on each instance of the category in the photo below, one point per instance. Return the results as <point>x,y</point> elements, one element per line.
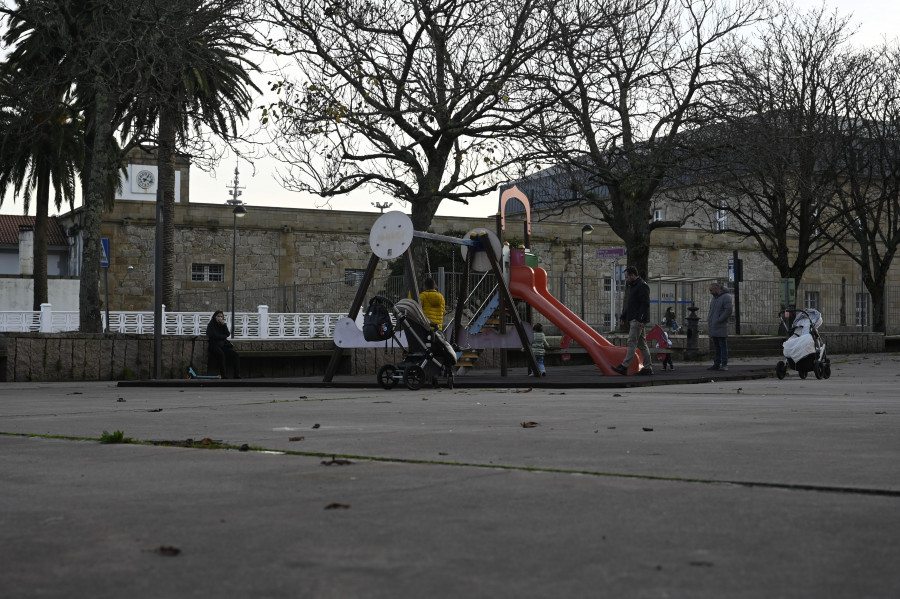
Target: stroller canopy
<point>814,318</point>
<point>412,311</point>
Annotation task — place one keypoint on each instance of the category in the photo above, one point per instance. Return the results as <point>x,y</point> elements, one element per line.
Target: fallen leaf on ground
<point>296,438</point>
<point>316,426</point>
<point>168,550</point>
<point>530,424</point>
<point>336,462</point>
<point>528,390</point>
<point>337,506</point>
<point>648,429</point>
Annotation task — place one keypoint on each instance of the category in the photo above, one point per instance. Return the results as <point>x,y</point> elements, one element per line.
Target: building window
<point>811,300</point>
<point>208,273</point>
<point>657,215</point>
<point>607,285</point>
<point>722,217</point>
<point>862,309</point>
<point>353,277</point>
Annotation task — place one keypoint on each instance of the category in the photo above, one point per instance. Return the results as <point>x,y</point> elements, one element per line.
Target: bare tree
<point>765,172</point>
<point>421,99</point>
<point>865,172</point>
<point>630,77</point>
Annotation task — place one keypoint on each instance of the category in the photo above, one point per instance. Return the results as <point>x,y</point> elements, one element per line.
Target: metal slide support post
<point>503,288</point>
<point>354,312</point>
<point>461,298</point>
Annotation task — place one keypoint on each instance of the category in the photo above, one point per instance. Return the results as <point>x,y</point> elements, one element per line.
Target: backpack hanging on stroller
<point>377,325</point>
<point>804,349</point>
<point>428,357</point>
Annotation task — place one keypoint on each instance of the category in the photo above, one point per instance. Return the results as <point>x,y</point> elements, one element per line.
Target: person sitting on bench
<point>221,349</point>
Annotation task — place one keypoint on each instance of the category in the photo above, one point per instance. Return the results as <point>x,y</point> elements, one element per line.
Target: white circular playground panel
<point>391,235</point>
<point>480,262</point>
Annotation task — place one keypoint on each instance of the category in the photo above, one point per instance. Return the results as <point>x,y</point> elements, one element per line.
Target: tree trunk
<point>875,287</point>
<point>42,208</point>
<point>166,166</point>
<point>101,162</point>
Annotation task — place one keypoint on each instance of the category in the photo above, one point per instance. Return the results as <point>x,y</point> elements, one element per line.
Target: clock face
<point>145,179</point>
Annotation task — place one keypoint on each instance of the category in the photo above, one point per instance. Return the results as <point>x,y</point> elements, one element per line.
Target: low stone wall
<point>81,357</point>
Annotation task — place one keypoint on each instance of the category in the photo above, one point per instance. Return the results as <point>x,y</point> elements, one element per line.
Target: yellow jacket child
<point>432,303</point>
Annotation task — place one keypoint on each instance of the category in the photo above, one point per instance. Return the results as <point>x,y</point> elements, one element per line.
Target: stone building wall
<point>283,246</point>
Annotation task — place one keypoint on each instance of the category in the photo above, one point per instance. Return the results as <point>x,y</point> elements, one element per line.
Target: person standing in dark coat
<point>637,315</point>
<point>720,309</point>
<point>221,349</point>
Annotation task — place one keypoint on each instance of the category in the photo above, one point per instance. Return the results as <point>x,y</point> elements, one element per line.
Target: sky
<point>877,19</point>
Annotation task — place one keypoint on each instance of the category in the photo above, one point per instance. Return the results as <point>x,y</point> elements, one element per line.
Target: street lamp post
<point>585,230</point>
<point>239,211</point>
<point>382,205</point>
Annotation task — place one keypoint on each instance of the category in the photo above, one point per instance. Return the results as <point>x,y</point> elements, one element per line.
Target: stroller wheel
<point>414,377</point>
<point>386,376</point>
<point>819,370</point>
<point>802,373</point>
<point>780,370</point>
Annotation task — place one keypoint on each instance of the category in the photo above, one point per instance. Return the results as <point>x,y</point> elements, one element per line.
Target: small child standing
<point>665,357</point>
<point>538,345</point>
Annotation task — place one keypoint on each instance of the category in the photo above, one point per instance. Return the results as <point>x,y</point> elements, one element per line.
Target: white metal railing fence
<point>250,325</point>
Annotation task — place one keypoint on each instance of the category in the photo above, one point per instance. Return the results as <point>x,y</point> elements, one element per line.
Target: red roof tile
<point>9,229</point>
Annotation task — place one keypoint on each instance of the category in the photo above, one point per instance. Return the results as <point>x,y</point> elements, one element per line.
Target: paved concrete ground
<point>734,488</point>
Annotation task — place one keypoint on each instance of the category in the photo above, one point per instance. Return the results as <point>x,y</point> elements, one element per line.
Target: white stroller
<point>804,349</point>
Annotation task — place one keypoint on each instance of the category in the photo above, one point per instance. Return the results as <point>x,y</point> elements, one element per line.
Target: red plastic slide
<point>530,284</point>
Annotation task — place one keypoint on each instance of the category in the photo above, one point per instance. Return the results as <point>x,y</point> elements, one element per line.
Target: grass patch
<point>114,437</point>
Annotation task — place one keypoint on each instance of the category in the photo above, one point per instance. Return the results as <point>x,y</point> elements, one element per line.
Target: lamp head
<point>239,211</point>
<point>587,229</point>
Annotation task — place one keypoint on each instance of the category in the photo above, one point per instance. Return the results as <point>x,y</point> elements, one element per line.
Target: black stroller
<point>429,357</point>
<point>804,350</point>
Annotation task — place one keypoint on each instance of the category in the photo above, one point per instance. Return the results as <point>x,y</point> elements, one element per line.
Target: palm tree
<point>41,146</point>
<point>205,83</point>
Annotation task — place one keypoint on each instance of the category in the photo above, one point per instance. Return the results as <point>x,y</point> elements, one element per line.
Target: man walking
<point>637,315</point>
<point>720,309</point>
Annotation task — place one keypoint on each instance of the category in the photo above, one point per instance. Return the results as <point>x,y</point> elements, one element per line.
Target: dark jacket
<point>217,333</point>
<point>638,306</point>
<point>720,309</point>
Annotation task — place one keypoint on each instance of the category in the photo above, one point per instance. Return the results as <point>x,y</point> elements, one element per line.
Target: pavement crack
<point>502,467</point>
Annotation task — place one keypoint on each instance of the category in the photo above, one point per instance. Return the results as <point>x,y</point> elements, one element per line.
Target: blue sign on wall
<point>104,258</point>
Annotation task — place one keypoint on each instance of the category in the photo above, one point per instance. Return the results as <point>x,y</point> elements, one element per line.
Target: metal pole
<point>588,229</point>
<point>106,292</point>
<point>582,274</point>
<point>233,271</point>
<point>157,289</point>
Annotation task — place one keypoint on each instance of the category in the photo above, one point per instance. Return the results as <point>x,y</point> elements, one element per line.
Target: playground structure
<point>517,276</point>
